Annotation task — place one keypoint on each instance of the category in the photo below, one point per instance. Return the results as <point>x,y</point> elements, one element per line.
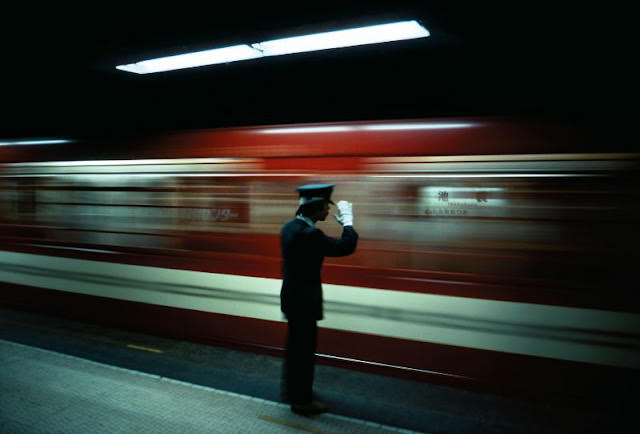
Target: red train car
<point>496,251</point>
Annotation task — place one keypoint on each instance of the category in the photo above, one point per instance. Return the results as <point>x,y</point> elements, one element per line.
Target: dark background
<point>59,79</point>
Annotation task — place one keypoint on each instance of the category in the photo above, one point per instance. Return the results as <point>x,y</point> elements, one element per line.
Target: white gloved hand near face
<point>345,213</point>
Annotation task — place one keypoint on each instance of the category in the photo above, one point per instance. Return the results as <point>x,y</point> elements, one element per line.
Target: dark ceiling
<point>59,76</point>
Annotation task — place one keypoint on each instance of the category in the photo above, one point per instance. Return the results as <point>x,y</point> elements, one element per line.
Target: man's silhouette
<point>304,247</point>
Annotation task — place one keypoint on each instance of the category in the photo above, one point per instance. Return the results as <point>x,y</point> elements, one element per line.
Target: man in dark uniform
<point>303,249</point>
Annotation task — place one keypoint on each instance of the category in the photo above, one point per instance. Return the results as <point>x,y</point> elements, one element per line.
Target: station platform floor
<point>67,376</point>
<point>45,391</point>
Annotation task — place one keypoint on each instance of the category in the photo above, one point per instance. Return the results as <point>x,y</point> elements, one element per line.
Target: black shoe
<point>309,409</point>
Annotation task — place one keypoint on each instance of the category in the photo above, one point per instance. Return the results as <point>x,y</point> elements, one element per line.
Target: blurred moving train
<point>497,251</point>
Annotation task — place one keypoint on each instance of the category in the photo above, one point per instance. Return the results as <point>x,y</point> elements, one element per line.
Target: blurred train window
<point>26,200</point>
<point>566,221</point>
<point>206,204</point>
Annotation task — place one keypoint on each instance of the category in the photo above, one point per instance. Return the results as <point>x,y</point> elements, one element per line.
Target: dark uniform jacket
<point>303,250</point>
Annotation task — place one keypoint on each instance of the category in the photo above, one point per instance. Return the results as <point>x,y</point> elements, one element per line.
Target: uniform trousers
<point>299,362</point>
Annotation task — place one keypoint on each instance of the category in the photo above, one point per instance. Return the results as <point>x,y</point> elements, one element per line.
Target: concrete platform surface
<point>43,391</point>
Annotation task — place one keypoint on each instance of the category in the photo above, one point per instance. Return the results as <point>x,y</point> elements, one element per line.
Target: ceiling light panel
<point>299,44</point>
<point>192,60</point>
<point>344,38</point>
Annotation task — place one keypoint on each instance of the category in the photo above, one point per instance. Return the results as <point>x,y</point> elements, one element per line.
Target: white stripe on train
<point>577,334</point>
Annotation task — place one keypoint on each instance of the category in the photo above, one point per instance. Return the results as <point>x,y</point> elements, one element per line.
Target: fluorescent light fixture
<point>318,41</point>
<point>191,60</point>
<point>34,142</point>
<point>344,38</point>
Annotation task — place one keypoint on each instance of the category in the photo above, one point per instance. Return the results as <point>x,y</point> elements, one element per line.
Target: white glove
<point>345,213</point>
